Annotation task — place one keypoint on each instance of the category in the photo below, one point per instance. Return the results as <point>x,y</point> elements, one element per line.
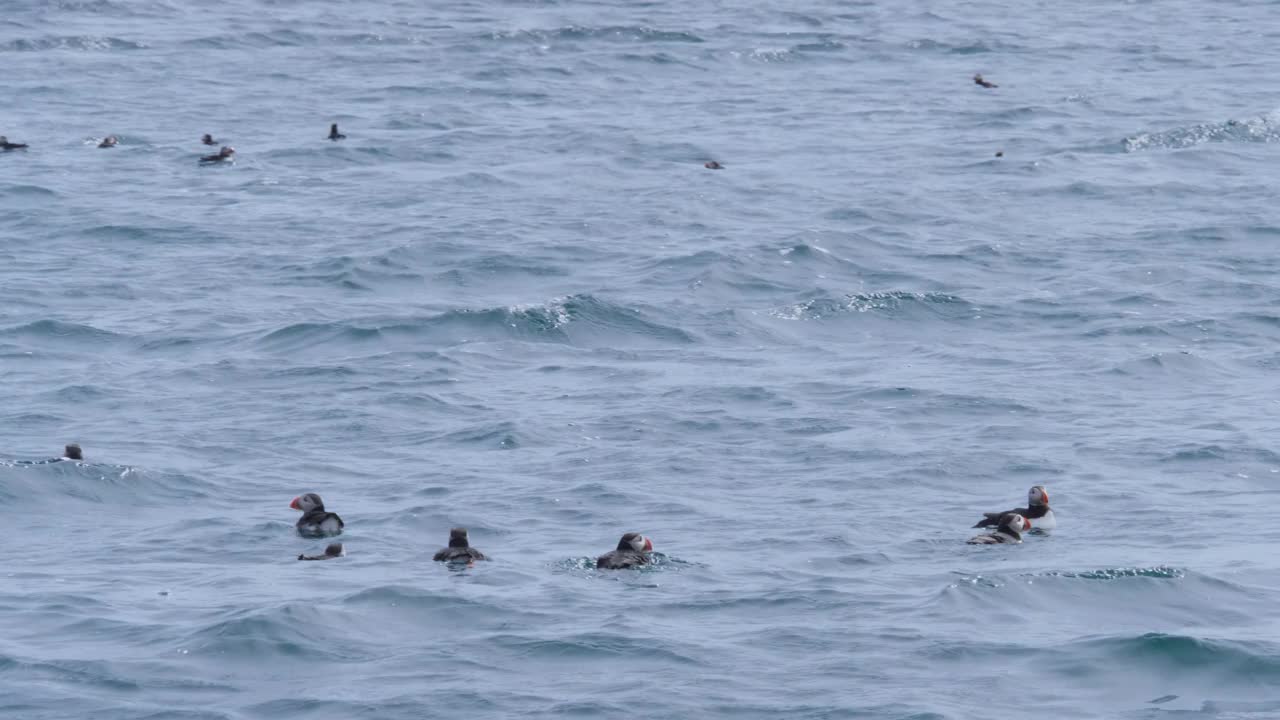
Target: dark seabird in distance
<point>335,550</point>
<point>223,155</point>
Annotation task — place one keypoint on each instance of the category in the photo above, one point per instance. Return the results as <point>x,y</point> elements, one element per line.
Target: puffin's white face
<point>1019,523</point>
<point>306,503</point>
<point>641,543</point>
<point>1038,496</point>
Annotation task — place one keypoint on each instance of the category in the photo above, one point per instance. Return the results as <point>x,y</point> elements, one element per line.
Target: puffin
<point>712,165</point>
<point>633,550</point>
<point>6,146</point>
<point>1010,530</point>
<point>315,520</point>
<point>977,80</point>
<point>223,155</point>
<point>334,134</point>
<point>1037,509</point>
<point>109,141</point>
<point>335,550</point>
<point>207,139</point>
<point>459,549</point>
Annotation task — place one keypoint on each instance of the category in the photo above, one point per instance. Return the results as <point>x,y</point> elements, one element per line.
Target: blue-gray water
<point>514,300</point>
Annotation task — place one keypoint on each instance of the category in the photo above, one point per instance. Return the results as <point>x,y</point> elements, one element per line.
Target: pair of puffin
<point>633,550</point>
<point>316,521</point>
<point>1010,524</point>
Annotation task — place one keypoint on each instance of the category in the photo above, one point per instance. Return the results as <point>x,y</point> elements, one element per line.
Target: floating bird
<point>459,549</point>
<point>335,550</point>
<point>223,155</point>
<point>1037,509</point>
<point>633,550</point>
<point>1010,530</point>
<point>315,520</point>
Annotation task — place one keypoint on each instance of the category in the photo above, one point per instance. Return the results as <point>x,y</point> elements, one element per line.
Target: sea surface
<point>514,300</point>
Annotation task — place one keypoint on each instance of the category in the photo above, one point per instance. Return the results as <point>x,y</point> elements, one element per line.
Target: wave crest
<point>614,33</point>
<point>892,303</point>
<point>1263,128</point>
<point>94,43</point>
<point>575,319</point>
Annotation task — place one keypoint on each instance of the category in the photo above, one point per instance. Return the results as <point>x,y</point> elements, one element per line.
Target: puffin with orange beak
<point>633,551</point>
<point>1037,509</point>
<point>315,520</point>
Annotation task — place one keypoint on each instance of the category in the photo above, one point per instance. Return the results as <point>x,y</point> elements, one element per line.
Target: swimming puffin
<point>977,80</point>
<point>315,520</point>
<point>459,549</point>
<point>7,146</point>
<point>334,134</point>
<point>1012,525</point>
<point>207,139</point>
<point>109,141</point>
<point>1037,509</point>
<point>712,165</point>
<point>633,550</point>
<point>334,550</point>
<point>223,155</point>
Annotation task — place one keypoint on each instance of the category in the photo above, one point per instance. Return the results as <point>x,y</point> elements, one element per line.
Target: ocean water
<point>514,300</point>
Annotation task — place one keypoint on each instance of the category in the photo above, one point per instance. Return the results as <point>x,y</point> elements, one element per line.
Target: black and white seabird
<point>223,155</point>
<point>315,520</point>
<point>1037,510</point>
<point>1010,530</point>
<point>633,550</point>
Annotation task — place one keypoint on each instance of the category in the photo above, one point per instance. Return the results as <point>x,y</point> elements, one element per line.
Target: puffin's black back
<point>621,559</point>
<point>457,554</point>
<point>459,549</point>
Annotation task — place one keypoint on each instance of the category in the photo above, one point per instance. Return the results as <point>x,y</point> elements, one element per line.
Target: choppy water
<point>514,300</point>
